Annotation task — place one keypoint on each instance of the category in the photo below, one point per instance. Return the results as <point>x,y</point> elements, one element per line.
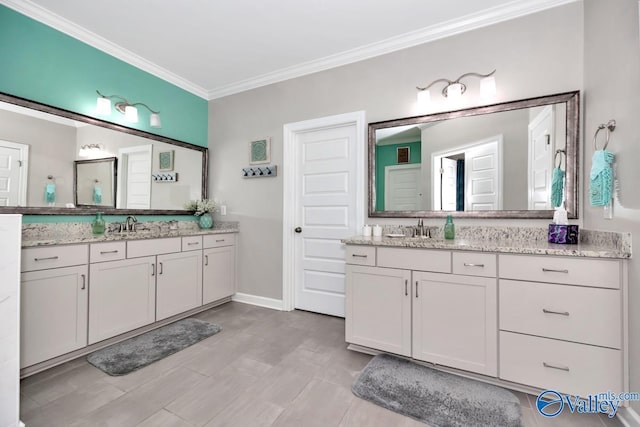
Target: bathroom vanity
<point>525,314</point>
<point>82,292</point>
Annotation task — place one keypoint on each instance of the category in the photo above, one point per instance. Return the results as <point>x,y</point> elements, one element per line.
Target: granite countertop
<point>594,244</point>
<point>64,234</point>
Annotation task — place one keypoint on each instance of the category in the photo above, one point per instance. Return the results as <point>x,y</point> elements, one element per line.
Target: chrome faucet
<point>421,231</point>
<point>130,223</point>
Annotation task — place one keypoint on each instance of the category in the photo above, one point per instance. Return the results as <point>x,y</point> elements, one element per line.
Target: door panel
<point>541,149</point>
<point>179,283</point>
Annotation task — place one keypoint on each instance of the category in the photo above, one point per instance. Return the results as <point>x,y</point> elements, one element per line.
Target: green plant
<point>200,207</point>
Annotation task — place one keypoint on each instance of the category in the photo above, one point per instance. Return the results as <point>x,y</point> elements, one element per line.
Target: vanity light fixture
<point>455,88</point>
<point>103,106</point>
<point>90,150</point>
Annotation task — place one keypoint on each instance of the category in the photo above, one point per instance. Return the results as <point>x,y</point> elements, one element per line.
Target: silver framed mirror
<point>48,141</point>
<point>494,161</point>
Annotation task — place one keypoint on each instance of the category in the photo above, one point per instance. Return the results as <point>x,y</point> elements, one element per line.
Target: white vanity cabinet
<point>218,271</point>
<point>54,298</point>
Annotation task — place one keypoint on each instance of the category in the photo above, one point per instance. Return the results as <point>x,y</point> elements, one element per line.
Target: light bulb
<point>488,87</point>
<point>131,114</point>
<point>103,105</point>
<point>454,91</point>
<point>424,98</point>
<point>155,120</point>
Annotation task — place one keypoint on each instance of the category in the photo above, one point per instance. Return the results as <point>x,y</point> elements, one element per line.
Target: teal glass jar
<point>205,220</point>
<point>449,229</point>
<point>98,225</point>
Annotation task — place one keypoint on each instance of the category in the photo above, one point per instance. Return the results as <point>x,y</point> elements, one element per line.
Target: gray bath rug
<point>436,398</point>
<point>138,352</point>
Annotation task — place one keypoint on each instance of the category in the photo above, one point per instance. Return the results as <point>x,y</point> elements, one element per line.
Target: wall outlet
<point>223,210</point>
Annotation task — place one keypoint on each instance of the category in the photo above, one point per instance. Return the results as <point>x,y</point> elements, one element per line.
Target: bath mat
<point>437,398</point>
<point>138,352</point>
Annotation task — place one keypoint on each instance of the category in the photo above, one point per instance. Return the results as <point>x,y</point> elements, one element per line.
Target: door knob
<point>298,230</point>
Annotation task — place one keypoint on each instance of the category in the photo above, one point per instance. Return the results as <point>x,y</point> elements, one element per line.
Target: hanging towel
<point>557,187</point>
<point>97,195</point>
<point>50,193</point>
<point>601,178</point>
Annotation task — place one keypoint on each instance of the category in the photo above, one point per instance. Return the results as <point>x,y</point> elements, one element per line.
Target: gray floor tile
<point>164,418</point>
<point>54,387</point>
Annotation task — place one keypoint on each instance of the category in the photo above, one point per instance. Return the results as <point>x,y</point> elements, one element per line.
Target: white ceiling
<point>214,48</point>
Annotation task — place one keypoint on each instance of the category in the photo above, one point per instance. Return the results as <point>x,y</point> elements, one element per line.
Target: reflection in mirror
<point>38,142</point>
<point>493,161</point>
<point>95,182</point>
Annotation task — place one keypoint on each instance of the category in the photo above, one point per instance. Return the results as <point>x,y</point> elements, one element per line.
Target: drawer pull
<point>46,259</point>
<point>153,270</point>
<point>192,243</point>
<point>84,281</point>
<point>406,287</point>
<point>561,313</point>
<point>221,240</point>
<point>416,289</point>
<point>160,270</point>
<point>473,265</point>
<point>560,368</point>
<point>206,260</point>
<point>358,256</point>
<point>550,270</point>
<point>108,252</point>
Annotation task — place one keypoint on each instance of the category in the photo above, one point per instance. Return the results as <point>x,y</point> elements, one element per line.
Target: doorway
<point>13,173</point>
<point>323,203</point>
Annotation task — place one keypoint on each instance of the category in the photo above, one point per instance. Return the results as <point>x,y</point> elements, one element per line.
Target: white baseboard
<point>275,304</point>
<point>628,417</point>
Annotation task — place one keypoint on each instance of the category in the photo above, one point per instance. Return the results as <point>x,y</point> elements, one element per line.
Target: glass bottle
<point>97,226</point>
<point>449,228</point>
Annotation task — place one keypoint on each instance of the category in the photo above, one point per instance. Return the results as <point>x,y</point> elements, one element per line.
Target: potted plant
<point>202,209</point>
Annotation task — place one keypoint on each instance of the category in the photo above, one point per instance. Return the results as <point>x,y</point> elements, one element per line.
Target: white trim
<point>289,189</point>
<point>45,16</point>
<point>452,27</point>
<point>628,417</point>
<point>24,168</point>
<point>275,304</point>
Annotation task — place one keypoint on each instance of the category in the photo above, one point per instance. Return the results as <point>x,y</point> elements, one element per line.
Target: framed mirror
<point>495,161</point>
<point>48,150</point>
<point>94,182</point>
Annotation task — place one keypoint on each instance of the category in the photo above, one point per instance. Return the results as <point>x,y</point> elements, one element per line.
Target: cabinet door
<point>53,313</point>
<point>122,297</point>
<point>378,310</point>
<point>179,283</point>
<point>455,321</point>
<point>219,274</point>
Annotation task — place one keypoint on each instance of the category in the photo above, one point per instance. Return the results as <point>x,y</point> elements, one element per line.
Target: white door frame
<point>24,168</point>
<point>290,171</point>
<point>120,172</point>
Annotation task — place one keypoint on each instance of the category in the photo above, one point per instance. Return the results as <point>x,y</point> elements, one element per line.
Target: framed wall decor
<point>165,161</point>
<point>402,155</point>
<point>260,151</point>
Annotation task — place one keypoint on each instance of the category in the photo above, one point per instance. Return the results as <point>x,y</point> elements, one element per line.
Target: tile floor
<point>266,368</point>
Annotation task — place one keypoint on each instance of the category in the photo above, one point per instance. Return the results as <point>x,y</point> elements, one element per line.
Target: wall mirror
<point>94,182</point>
<point>48,158</point>
<point>494,161</point>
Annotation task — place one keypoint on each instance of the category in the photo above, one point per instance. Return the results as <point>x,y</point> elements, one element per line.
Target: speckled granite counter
<point>514,240</point>
<point>47,234</point>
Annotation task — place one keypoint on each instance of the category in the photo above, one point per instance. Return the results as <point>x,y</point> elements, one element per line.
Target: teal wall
<point>386,156</point>
<point>47,66</point>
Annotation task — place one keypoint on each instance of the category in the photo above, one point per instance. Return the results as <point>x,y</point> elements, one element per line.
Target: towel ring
<point>559,151</point>
<point>610,127</point>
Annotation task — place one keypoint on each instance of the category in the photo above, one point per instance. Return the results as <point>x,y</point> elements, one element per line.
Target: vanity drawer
<point>191,243</point>
<point>111,251</point>
<point>474,264</point>
<point>360,255</point>
<point>53,257</point>
<point>218,240</point>
<point>438,261</point>
<point>559,365</point>
<point>574,271</point>
<point>140,248</point>
<point>572,313</point>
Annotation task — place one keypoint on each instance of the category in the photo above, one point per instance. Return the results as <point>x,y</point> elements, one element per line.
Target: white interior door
<point>483,175</point>
<point>541,151</point>
<point>448,180</point>
<point>13,173</point>
<point>402,188</point>
<point>327,205</point>
<point>134,177</point>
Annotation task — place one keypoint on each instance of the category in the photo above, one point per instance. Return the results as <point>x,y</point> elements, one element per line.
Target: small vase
<point>205,220</point>
<point>97,226</point>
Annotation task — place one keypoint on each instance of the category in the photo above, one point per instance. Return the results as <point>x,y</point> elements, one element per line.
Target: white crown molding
<point>512,10</point>
<point>40,14</point>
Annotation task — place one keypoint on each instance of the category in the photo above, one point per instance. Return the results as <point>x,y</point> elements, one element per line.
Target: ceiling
<point>216,48</point>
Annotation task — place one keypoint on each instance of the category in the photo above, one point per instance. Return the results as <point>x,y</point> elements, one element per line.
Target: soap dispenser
<point>98,224</point>
<point>449,228</point>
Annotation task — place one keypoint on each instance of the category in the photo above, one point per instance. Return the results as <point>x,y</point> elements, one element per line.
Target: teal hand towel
<point>601,178</point>
<point>97,195</point>
<point>50,193</point>
<point>557,187</point>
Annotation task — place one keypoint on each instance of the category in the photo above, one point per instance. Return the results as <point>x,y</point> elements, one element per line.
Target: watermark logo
<point>550,403</point>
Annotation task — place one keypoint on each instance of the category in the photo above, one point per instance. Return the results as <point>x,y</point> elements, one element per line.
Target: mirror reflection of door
<point>540,164</point>
<point>134,177</point>
<point>402,188</point>
<point>13,173</point>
